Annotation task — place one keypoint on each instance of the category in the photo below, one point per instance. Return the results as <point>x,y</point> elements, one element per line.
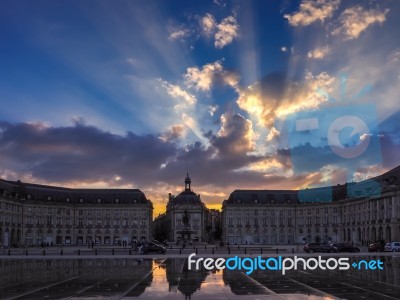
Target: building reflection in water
<point>160,277</point>
<point>27,273</point>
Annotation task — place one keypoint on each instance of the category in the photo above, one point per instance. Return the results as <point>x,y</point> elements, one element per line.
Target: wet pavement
<point>169,278</point>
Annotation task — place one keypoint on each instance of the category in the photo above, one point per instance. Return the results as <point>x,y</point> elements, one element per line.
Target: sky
<point>243,94</point>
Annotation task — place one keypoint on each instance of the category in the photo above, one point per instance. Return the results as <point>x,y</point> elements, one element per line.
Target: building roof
<point>366,188</point>
<point>49,193</point>
<point>186,197</point>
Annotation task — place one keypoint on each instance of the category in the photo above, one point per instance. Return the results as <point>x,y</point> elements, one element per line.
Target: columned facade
<point>37,215</point>
<point>279,217</point>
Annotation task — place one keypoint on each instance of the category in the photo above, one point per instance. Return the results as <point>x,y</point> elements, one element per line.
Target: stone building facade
<point>353,213</point>
<point>171,226</point>
<point>32,215</point>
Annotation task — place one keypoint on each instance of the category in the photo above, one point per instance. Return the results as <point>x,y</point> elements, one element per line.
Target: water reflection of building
<point>57,270</point>
<point>171,225</point>
<point>360,212</point>
<point>312,283</point>
<point>182,279</point>
<point>32,214</point>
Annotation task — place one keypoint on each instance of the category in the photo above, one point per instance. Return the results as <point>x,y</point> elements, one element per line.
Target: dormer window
<point>117,200</point>
<point>48,198</point>
<point>29,196</point>
<point>67,200</point>
<point>99,200</point>
<point>80,200</point>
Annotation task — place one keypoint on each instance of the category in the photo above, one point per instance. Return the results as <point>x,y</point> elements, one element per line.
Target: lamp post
<point>295,226</point>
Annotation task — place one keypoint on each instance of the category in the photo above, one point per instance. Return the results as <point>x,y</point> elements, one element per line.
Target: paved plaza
<point>168,277</point>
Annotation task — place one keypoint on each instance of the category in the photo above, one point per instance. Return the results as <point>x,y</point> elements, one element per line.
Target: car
<point>392,247</point>
<point>376,247</point>
<point>346,248</point>
<point>319,247</point>
<point>153,247</point>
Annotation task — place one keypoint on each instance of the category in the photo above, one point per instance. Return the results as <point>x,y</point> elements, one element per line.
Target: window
<point>230,221</point>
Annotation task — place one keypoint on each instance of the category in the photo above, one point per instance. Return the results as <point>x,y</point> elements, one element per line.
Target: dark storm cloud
<point>219,162</point>
<point>80,153</point>
<point>86,154</point>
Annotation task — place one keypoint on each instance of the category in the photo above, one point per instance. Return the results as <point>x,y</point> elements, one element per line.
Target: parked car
<point>393,247</point>
<point>153,247</point>
<point>346,248</point>
<point>376,247</point>
<point>319,247</point>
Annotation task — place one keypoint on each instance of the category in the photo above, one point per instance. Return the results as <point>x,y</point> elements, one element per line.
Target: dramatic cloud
<point>204,78</point>
<point>228,29</point>
<point>212,109</point>
<point>176,91</point>
<point>80,154</point>
<point>223,32</point>
<point>353,21</point>
<point>83,155</point>
<point>178,34</point>
<point>236,135</point>
<point>312,11</point>
<point>318,53</point>
<point>174,134</point>
<point>208,24</point>
<point>274,97</point>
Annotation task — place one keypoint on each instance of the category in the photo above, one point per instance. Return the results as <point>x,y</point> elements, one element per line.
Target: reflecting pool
<point>169,278</point>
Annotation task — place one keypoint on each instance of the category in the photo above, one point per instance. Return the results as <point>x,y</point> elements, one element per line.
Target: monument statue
<point>185,218</point>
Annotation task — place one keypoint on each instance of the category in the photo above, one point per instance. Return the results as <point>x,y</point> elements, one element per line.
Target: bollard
<point>26,252</point>
<point>79,251</point>
<point>229,250</point>
<point>292,250</point>
<point>44,252</point>
<point>261,250</point>
<point>245,251</point>
<point>212,250</point>
<point>205,247</point>
<point>9,252</point>
<point>170,247</point>
<point>112,252</point>
<point>61,252</point>
<point>130,251</point>
<point>197,251</point>
<point>95,251</point>
<point>238,247</point>
<point>277,250</point>
<point>180,250</point>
